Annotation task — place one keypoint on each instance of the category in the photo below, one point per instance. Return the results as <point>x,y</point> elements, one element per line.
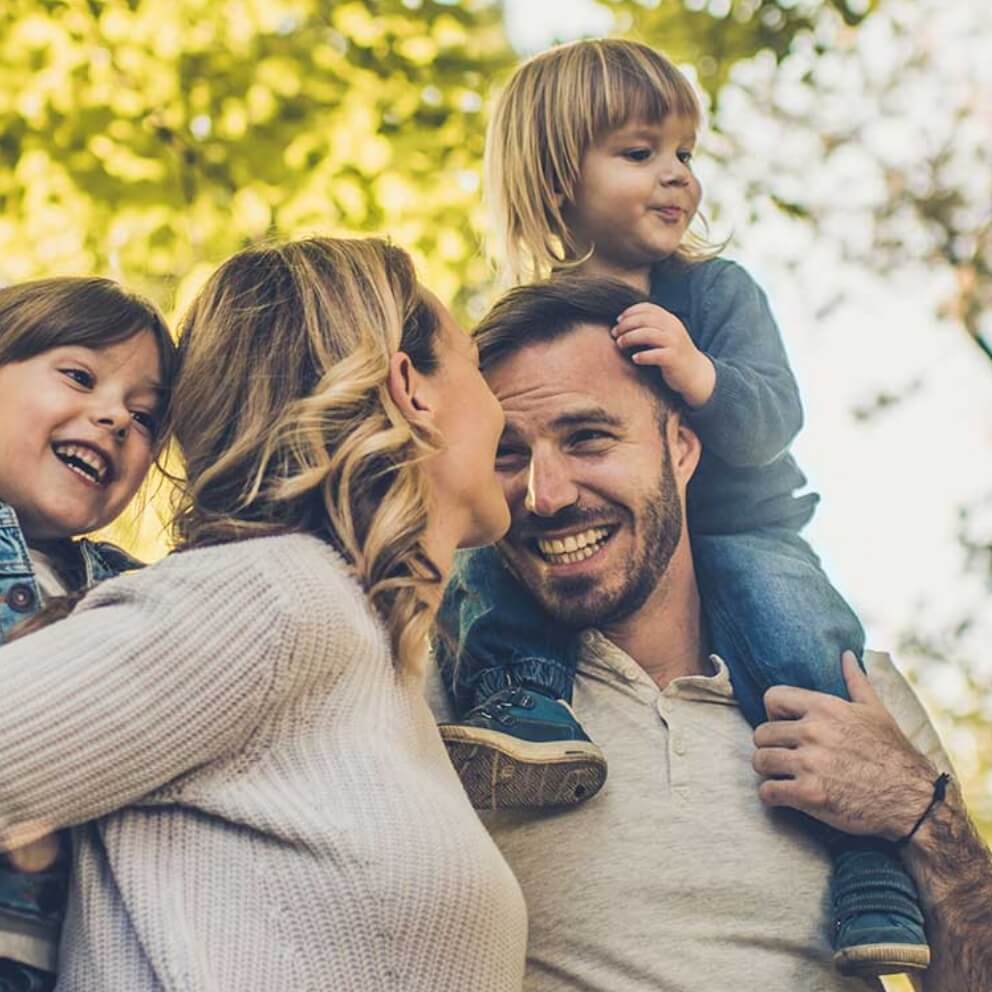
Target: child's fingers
<point>645,310</point>
<point>646,337</point>
<point>660,357</point>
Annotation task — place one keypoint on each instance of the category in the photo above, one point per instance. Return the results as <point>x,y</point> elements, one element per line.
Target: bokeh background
<point>848,159</point>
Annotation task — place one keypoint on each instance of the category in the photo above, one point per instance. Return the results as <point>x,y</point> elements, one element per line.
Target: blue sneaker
<point>878,924</point>
<point>521,748</point>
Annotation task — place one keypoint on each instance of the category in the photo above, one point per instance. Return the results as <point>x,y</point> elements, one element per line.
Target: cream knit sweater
<point>270,805</point>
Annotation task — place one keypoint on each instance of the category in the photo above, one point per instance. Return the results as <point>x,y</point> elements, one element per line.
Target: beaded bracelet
<point>939,791</point>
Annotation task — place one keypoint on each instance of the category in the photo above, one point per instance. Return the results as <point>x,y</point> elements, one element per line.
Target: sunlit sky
<point>891,486</point>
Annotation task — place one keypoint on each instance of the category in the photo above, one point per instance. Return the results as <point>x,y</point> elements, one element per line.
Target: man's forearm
<point>953,869</point>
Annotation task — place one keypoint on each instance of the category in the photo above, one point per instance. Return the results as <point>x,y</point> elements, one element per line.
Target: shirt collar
<point>599,656</point>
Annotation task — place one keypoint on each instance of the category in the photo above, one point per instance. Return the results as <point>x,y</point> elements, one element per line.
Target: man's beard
<point>581,601</point>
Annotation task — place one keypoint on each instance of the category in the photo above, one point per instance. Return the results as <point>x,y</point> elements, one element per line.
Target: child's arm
<point>733,372</point>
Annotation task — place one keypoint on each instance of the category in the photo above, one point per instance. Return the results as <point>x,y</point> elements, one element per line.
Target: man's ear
<point>685,447</point>
<point>410,390</point>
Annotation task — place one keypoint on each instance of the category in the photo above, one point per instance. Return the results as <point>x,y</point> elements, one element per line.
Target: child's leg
<point>492,635</point>
<point>773,615</point>
<point>509,672</point>
<point>774,618</point>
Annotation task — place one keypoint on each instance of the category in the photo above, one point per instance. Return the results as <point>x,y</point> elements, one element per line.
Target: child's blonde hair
<point>286,423</point>
<point>554,107</point>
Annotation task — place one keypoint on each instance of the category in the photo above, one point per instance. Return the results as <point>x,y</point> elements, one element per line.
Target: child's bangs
<point>638,86</point>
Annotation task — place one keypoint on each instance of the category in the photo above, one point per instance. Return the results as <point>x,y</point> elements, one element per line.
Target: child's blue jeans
<point>771,615</point>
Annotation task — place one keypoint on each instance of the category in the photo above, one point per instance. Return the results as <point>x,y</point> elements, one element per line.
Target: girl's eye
<point>637,154</point>
<point>147,421</point>
<point>80,376</point>
<point>685,156</point>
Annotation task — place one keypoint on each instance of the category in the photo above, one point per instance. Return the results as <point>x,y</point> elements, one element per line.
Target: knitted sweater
<point>270,806</point>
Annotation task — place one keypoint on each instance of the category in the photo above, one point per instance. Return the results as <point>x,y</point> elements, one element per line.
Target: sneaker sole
<point>882,959</point>
<point>502,772</point>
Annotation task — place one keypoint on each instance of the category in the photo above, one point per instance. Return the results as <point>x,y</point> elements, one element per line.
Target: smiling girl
<point>85,369</point>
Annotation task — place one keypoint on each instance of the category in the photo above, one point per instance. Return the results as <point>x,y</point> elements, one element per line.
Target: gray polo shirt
<point>676,878</point>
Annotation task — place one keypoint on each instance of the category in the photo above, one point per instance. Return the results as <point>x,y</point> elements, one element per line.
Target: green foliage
<point>151,138</point>
<point>154,137</point>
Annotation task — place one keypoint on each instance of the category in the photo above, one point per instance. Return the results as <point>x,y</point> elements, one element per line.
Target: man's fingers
<point>776,762</point>
<point>780,733</point>
<point>858,687</point>
<point>789,702</point>
<point>790,792</point>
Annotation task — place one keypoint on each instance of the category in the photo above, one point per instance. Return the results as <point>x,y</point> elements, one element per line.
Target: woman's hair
<point>285,420</point>
<point>88,311</point>
<point>554,107</point>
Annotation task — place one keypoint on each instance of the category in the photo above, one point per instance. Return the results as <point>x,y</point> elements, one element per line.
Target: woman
<point>243,723</point>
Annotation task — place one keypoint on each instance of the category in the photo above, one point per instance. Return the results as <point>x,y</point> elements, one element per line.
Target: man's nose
<point>550,487</point>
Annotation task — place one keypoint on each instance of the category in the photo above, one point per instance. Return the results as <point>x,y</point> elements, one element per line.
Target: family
<point>632,741</point>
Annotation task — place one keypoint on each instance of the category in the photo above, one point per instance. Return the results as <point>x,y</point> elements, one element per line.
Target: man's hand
<point>845,763</point>
<point>667,345</point>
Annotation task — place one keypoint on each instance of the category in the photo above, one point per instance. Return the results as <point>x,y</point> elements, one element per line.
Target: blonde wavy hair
<point>286,424</point>
<point>554,107</point>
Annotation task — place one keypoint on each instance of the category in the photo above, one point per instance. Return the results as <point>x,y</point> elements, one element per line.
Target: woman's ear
<point>410,390</point>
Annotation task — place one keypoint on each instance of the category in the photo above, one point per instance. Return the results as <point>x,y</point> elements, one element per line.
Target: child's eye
<point>637,154</point>
<point>147,421</point>
<point>685,156</point>
<point>80,376</point>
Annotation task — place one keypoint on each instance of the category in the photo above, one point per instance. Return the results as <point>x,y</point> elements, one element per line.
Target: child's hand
<point>667,345</point>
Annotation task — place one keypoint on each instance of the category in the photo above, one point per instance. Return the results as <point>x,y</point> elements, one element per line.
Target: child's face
<point>636,194</point>
<point>77,434</point>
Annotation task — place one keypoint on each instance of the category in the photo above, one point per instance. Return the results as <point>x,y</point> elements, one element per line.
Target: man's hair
<point>555,106</point>
<point>545,311</point>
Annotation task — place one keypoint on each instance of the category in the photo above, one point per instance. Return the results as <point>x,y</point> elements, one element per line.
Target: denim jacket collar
<point>20,594</point>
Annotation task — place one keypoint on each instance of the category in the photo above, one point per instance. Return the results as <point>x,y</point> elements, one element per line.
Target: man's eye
<point>637,154</point>
<point>80,376</point>
<point>589,438</point>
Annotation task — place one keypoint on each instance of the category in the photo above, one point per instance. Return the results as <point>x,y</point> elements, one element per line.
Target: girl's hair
<point>554,107</point>
<point>285,421</point>
<point>88,311</point>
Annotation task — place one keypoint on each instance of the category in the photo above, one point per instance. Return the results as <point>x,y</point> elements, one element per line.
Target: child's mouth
<point>84,461</point>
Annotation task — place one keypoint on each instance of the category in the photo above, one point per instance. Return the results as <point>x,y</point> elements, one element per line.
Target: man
<point>682,874</point>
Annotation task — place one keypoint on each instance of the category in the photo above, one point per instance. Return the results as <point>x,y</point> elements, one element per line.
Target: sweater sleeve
<point>755,410</point>
<point>154,674</point>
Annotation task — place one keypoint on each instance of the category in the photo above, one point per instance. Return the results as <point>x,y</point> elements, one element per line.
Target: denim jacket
<point>20,594</point>
<point>33,903</point>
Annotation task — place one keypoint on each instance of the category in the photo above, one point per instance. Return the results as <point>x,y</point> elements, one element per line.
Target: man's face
<point>587,466</point>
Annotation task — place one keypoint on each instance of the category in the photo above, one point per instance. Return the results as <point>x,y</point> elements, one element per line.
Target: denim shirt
<point>38,899</point>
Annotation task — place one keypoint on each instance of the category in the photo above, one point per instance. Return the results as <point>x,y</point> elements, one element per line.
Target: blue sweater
<point>746,477</point>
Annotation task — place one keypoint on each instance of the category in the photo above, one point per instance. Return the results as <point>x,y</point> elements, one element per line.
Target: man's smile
<point>568,549</point>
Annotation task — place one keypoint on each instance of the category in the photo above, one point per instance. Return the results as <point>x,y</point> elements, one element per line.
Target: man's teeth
<point>90,464</point>
<point>573,547</point>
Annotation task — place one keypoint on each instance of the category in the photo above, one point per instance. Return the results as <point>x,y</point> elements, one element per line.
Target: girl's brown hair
<point>554,107</point>
<point>286,424</point>
<point>88,311</point>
